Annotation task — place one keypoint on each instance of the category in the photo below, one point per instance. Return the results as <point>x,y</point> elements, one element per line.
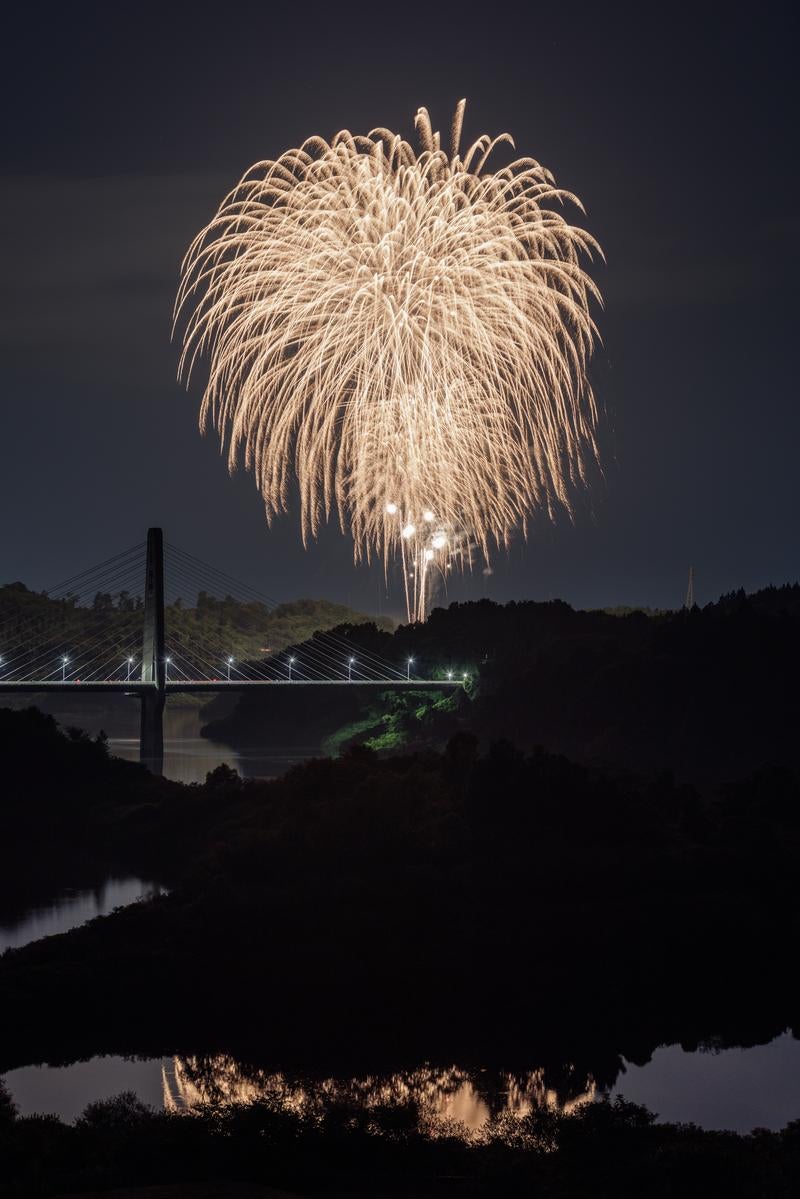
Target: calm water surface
<point>74,907</point>
<point>737,1089</point>
<point>188,757</point>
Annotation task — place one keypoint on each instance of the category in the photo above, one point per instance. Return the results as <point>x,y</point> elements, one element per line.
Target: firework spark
<point>404,334</point>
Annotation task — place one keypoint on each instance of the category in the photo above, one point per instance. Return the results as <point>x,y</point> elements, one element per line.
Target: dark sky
<point>126,124</point>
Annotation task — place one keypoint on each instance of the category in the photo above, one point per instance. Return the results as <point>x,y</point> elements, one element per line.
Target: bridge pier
<point>151,737</point>
<point>151,731</point>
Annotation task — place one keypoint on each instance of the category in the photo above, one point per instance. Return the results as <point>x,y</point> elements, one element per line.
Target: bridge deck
<point>135,687</point>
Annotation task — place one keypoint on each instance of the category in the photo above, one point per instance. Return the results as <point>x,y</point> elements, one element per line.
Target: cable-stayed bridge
<point>121,626</point>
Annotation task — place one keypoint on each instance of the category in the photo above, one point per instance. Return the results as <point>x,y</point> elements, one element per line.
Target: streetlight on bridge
<point>230,664</point>
<point>167,662</point>
<point>351,663</point>
<point>129,663</point>
<point>291,664</point>
<point>64,661</point>
<point>408,669</point>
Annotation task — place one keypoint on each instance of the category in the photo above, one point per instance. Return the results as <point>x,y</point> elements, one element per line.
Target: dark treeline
<point>603,1152</point>
<point>452,906</point>
<point>709,693</point>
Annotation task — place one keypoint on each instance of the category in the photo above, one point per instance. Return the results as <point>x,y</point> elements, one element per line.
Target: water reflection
<point>188,757</point>
<point>72,908</point>
<point>757,1087</point>
<point>444,1095</point>
<point>66,1091</point>
<point>738,1089</point>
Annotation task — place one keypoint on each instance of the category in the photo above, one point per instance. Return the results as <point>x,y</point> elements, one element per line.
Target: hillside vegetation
<point>248,631</point>
<point>709,693</point>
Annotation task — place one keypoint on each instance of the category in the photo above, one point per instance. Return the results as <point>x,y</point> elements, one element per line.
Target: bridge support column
<point>151,740</point>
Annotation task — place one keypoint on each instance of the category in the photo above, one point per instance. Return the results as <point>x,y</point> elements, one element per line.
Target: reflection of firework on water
<point>445,1096</point>
<point>402,333</point>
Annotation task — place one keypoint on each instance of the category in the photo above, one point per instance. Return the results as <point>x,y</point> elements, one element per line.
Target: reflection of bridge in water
<point>127,649</point>
<point>444,1095</point>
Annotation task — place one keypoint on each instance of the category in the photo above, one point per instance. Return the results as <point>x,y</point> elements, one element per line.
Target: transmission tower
<point>690,590</point>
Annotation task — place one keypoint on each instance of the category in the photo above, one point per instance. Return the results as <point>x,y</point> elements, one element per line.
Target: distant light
<point>409,531</point>
<point>428,555</point>
<point>449,674</point>
<point>411,661</point>
<point>428,516</point>
<point>168,660</point>
<point>230,661</point>
<point>352,661</point>
<point>65,658</point>
<point>439,541</point>
<point>130,659</point>
<point>292,660</point>
<point>391,509</point>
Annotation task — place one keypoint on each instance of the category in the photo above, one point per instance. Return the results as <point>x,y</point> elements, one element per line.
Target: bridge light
<point>291,664</point>
<point>350,664</point>
<point>64,661</point>
<point>229,665</point>
<point>408,668</point>
<point>449,674</point>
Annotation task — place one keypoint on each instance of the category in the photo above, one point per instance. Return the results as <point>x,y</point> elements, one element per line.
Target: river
<point>736,1089</point>
<point>188,757</point>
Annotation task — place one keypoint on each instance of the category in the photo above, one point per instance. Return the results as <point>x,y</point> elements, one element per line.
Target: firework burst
<point>404,334</point>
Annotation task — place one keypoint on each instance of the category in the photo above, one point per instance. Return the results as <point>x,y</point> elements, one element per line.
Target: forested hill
<point>250,630</point>
<point>711,693</point>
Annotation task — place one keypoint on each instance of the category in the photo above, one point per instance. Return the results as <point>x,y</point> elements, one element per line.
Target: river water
<point>188,757</point>
<point>737,1089</point>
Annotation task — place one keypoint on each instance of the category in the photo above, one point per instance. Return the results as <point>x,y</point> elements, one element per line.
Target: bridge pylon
<point>151,742</point>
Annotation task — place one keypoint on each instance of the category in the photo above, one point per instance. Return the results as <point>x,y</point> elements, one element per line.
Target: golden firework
<point>404,334</point>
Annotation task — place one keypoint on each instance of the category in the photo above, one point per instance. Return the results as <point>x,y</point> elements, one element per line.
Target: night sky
<point>125,125</point>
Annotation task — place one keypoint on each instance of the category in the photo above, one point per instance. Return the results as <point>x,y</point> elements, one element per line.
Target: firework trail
<point>404,334</point>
